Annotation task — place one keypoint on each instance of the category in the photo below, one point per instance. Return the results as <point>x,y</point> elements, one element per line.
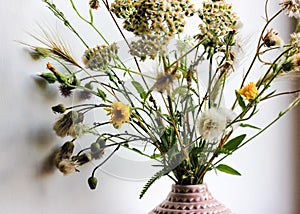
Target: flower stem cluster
<point>179,122</point>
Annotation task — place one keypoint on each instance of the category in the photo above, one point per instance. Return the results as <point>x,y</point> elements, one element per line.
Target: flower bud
<point>95,147</point>
<point>94,4</point>
<point>49,77</point>
<point>72,81</point>
<point>92,181</point>
<point>60,108</point>
<point>96,150</point>
<point>39,53</point>
<point>101,142</point>
<point>61,78</point>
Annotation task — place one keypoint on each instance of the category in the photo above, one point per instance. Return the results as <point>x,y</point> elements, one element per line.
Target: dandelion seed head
<point>212,124</point>
<point>218,21</point>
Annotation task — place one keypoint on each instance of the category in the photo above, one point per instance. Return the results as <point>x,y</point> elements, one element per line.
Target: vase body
<point>190,199</point>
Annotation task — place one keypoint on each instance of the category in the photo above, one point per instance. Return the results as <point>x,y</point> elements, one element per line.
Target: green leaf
<point>155,177</point>
<point>223,151</point>
<point>181,90</point>
<point>249,126</point>
<point>234,143</point>
<point>154,156</point>
<point>136,150</point>
<point>101,94</point>
<point>139,89</point>
<point>240,100</point>
<point>227,169</point>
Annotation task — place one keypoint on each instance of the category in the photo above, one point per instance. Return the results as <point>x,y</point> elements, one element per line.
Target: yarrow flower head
<point>295,41</point>
<point>98,58</point>
<point>250,91</point>
<point>120,113</point>
<point>162,17</point>
<point>218,20</point>
<point>148,45</point>
<point>159,20</point>
<point>212,124</point>
<point>291,7</point>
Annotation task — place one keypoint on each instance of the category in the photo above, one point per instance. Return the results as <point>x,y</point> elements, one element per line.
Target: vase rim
<point>189,185</point>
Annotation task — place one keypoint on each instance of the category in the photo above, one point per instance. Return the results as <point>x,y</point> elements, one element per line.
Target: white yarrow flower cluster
<point>295,40</point>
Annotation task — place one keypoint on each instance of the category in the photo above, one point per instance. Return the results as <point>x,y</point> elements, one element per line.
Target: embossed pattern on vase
<point>190,199</point>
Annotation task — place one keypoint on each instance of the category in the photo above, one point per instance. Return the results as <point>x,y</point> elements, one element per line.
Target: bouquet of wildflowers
<point>176,110</point>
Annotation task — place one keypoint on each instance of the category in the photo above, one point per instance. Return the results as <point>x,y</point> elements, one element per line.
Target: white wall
<point>269,165</point>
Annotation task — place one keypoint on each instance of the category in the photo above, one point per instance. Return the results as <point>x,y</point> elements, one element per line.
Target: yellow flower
<point>249,91</point>
<point>119,112</point>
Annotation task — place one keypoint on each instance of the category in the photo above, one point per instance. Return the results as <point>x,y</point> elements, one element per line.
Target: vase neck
<point>189,188</point>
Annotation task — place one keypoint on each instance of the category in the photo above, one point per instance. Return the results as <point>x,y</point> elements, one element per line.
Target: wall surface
<point>269,166</point>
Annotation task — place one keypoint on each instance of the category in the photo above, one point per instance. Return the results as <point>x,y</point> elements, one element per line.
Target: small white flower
<point>212,124</point>
<point>78,130</point>
<point>291,7</point>
<point>295,40</point>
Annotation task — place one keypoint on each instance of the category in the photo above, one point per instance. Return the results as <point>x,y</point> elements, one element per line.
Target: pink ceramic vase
<point>190,199</point>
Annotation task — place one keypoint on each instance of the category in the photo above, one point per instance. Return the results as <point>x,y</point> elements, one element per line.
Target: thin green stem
<point>134,72</point>
<point>298,25</point>
<point>280,115</point>
<point>209,81</point>
<point>62,17</point>
<point>89,22</point>
<point>257,52</point>
<point>103,162</point>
